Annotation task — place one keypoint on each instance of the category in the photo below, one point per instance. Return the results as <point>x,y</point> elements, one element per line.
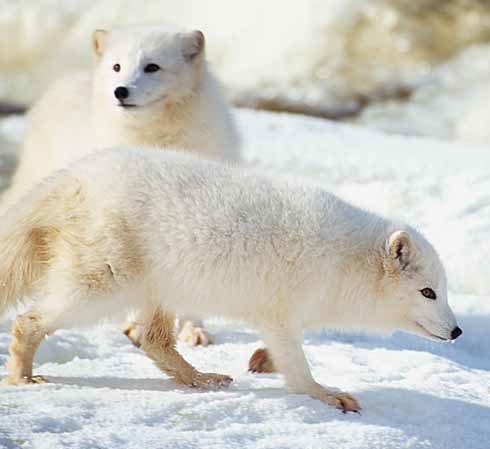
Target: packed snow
<point>415,393</point>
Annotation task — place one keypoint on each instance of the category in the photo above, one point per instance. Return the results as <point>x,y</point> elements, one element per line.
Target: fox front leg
<point>285,346</point>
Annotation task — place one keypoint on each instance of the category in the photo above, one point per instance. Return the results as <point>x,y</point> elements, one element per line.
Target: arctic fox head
<point>414,291</point>
<point>146,67</point>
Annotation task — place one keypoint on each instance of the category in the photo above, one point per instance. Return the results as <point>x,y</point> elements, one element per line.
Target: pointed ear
<point>99,38</point>
<point>399,249</point>
<point>192,44</point>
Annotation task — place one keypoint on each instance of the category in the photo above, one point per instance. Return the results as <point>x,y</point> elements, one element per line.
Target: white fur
<point>215,240</point>
<point>179,106</point>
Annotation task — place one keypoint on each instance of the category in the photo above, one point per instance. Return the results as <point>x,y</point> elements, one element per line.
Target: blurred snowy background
<point>416,68</point>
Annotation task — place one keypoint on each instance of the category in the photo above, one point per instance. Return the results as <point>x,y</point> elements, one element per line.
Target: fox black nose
<point>121,93</point>
<point>455,333</point>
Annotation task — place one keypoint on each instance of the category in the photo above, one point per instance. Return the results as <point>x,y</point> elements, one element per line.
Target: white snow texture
<point>415,393</point>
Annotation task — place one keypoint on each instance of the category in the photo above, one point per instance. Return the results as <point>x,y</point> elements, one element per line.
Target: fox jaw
<point>413,289</point>
<point>146,68</point>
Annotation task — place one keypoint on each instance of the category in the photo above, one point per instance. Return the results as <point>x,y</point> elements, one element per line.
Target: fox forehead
<point>140,46</point>
<point>428,268</point>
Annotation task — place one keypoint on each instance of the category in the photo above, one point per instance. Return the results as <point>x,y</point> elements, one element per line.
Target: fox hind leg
<point>66,303</point>
<point>158,341</point>
<point>27,334</point>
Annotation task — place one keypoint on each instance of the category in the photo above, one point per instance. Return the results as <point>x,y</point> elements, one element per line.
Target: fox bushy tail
<point>27,232</point>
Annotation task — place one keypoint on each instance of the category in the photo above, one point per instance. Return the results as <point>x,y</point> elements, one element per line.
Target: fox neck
<point>356,300</point>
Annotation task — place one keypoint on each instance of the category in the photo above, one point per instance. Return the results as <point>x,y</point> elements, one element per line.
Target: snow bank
<point>319,56</point>
<point>416,394</point>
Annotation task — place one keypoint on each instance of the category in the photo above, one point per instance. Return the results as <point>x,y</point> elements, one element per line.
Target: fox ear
<point>99,38</point>
<point>399,250</point>
<point>192,44</point>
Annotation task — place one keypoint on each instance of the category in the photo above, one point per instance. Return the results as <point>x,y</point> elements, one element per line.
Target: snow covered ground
<point>415,393</point>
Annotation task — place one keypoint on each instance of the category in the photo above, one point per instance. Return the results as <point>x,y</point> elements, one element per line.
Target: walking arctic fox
<point>169,233</point>
<point>150,86</point>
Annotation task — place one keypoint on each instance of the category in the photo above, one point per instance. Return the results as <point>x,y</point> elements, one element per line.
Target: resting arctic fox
<point>151,86</point>
<point>163,231</point>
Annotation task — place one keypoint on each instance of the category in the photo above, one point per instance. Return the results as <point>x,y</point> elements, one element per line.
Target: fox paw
<point>261,362</point>
<point>342,401</point>
<point>207,381</point>
<point>194,336</point>
<point>25,380</point>
<point>134,333</point>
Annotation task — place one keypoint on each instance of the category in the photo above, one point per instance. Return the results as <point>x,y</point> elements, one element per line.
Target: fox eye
<point>116,67</point>
<point>150,68</point>
<point>428,293</point>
